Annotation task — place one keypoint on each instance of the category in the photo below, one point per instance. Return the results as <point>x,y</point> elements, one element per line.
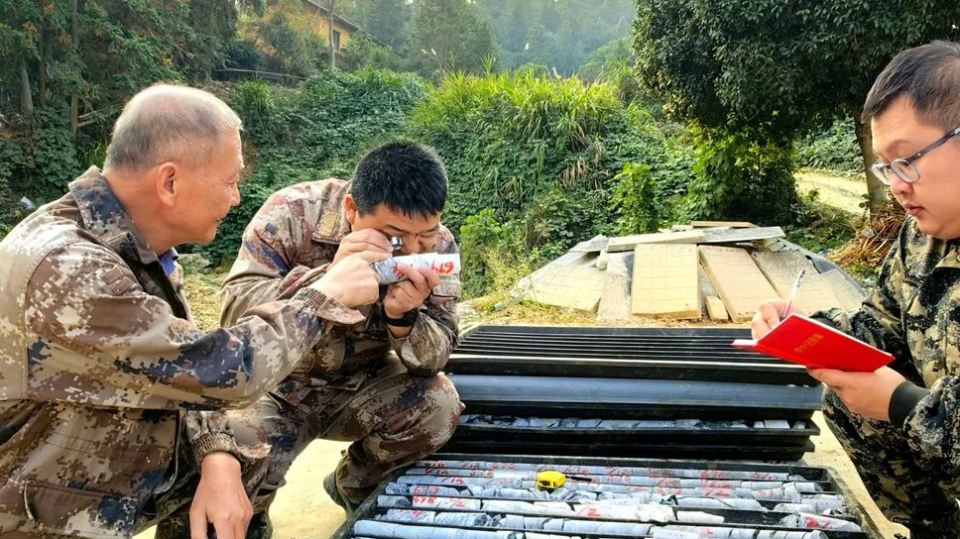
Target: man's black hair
<point>929,75</point>
<point>408,177</point>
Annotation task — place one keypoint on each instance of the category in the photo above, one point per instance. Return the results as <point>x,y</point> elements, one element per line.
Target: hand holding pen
<point>773,312</point>
<point>793,294</point>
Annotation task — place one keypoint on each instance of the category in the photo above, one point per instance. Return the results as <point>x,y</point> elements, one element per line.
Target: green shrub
<point>509,139</point>
<point>736,178</point>
<point>8,204</point>
<point>37,160</point>
<point>54,157</point>
<point>493,254</point>
<point>318,130</point>
<point>12,163</point>
<point>11,208</point>
<point>833,148</point>
<point>540,161</point>
<point>363,52</point>
<point>256,105</point>
<point>561,218</point>
<point>337,116</point>
<point>479,235</point>
<point>636,198</point>
<point>244,54</point>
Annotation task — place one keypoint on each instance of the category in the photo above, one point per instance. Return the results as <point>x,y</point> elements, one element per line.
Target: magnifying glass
<point>396,242</point>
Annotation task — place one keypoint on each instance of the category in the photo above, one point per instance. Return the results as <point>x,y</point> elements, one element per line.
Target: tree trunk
<point>42,71</point>
<point>26,97</point>
<point>333,52</point>
<point>876,191</point>
<point>74,99</point>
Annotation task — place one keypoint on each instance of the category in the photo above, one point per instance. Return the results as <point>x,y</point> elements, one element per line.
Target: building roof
<point>352,27</point>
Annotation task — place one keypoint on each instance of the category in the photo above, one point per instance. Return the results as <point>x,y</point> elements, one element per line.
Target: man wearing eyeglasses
<point>901,424</point>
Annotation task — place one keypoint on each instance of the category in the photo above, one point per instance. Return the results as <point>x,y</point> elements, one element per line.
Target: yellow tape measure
<point>550,480</point>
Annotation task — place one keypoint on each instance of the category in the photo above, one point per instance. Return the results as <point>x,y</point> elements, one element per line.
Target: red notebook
<point>816,345</point>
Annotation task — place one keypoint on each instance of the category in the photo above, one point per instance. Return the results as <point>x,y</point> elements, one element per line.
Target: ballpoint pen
<point>793,293</point>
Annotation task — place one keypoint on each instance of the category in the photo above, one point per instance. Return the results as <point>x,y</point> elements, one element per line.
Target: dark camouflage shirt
<point>914,313</point>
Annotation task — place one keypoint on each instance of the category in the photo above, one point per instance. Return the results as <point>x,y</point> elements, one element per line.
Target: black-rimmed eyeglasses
<point>904,168</point>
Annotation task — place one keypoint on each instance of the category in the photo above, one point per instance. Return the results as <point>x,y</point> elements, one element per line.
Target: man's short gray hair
<point>928,75</point>
<point>166,123</point>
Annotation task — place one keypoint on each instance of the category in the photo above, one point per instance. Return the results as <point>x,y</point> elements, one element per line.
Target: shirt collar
<point>104,216</point>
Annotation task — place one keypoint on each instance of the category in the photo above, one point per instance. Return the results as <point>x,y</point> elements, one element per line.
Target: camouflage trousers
<point>393,419</point>
<point>910,488</point>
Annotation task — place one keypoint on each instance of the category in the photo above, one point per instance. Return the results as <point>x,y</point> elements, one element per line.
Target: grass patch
<point>202,291</point>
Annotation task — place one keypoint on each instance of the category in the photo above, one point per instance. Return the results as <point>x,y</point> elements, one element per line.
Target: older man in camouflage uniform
<point>376,383</point>
<point>99,360</point>
<point>901,424</point>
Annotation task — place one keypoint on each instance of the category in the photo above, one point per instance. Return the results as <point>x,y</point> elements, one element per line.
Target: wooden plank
<point>615,299</point>
<point>570,258</point>
<point>665,281</point>
<point>738,280</point>
<point>849,297</point>
<point>715,309</point>
<point>574,287</point>
<point>737,235</point>
<point>721,224</point>
<point>593,245</point>
<point>781,270</point>
<point>627,243</point>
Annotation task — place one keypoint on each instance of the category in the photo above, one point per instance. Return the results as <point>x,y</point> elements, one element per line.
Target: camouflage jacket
<point>914,313</point>
<point>289,244</point>
<point>99,361</point>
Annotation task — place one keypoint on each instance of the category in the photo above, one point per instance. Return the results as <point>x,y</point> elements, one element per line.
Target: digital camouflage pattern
<point>361,384</point>
<point>912,471</point>
<point>99,363</point>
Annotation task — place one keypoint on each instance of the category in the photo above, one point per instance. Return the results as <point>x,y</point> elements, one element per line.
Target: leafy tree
<point>74,64</point>
<point>386,20</point>
<point>773,69</point>
<point>559,34</point>
<point>450,35</point>
<point>362,51</point>
<point>289,49</point>
<point>614,62</point>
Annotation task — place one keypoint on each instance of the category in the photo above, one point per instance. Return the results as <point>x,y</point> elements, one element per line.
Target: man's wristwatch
<point>408,319</point>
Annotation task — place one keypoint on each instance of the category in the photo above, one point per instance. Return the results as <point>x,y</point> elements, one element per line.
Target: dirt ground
<point>836,191</point>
